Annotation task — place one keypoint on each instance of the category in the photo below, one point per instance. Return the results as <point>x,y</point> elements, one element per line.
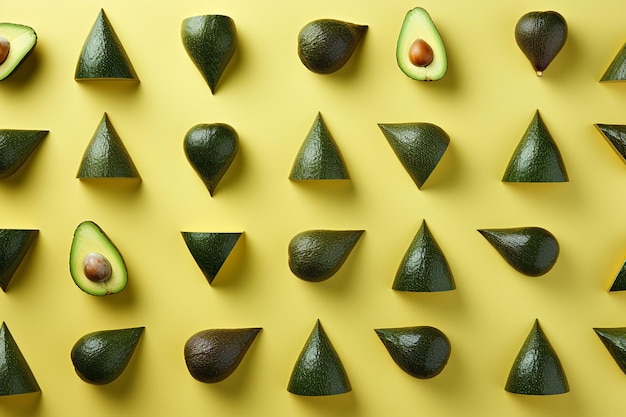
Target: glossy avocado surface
<point>16,147</point>
<point>210,250</point>
<point>16,376</point>
<point>541,35</point>
<point>14,246</point>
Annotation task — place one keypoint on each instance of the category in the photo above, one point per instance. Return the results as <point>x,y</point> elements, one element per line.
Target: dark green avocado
<point>619,282</point>
<point>16,376</point>
<point>615,135</point>
<point>541,36</point>
<point>16,147</point>
<point>614,339</point>
<point>616,71</point>
<point>14,245</point>
<point>210,250</point>
<point>17,42</point>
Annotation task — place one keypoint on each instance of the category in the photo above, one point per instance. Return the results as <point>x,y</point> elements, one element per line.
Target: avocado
<point>537,369</point>
<point>213,355</point>
<point>210,250</point>
<point>210,42</point>
<point>96,266</point>
<point>420,351</point>
<point>316,255</point>
<point>16,147</point>
<point>619,282</point>
<point>14,245</point>
<point>541,36</point>
<point>326,45</point>
<point>424,267</point>
<point>533,251</point>
<point>17,42</point>
<point>536,158</point>
<point>420,51</point>
<point>419,147</point>
<point>106,156</point>
<point>211,149</point>
<point>318,369</point>
<point>16,376</point>
<point>615,135</point>
<point>614,339</point>
<point>616,70</point>
<point>100,357</point>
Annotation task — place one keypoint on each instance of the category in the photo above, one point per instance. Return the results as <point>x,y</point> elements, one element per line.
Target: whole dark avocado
<point>541,36</point>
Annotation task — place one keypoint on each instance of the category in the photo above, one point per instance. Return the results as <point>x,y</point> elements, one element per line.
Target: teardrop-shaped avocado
<point>418,146</point>
<point>536,158</point>
<point>424,267</point>
<point>210,250</point>
<point>16,376</point>
<point>533,251</point>
<point>106,156</point>
<point>318,369</point>
<point>101,357</point>
<point>616,71</point>
<point>420,351</point>
<point>16,147</point>
<point>103,57</point>
<point>213,355</point>
<point>316,255</point>
<point>210,42</point>
<point>326,45</point>
<point>17,42</point>
<point>619,282</point>
<point>319,157</point>
<point>14,245</point>
<point>541,36</point>
<point>615,135</point>
<point>537,369</point>
<point>614,339</point>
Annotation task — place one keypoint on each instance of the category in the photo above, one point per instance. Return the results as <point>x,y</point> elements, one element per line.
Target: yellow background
<point>485,103</point>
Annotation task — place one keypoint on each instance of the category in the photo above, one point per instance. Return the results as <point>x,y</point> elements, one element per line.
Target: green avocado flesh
<point>210,250</point>
<point>615,135</point>
<point>16,376</point>
<point>16,147</point>
<point>100,357</point>
<point>541,36</point>
<point>614,339</point>
<point>14,245</point>
<point>617,69</point>
<point>21,40</point>
<point>88,240</point>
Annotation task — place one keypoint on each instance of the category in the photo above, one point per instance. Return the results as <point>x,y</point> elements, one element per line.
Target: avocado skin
<point>540,36</point>
<point>16,376</point>
<point>617,69</point>
<point>615,135</point>
<point>14,245</point>
<point>619,283</point>
<point>16,146</point>
<point>614,339</point>
<point>210,250</point>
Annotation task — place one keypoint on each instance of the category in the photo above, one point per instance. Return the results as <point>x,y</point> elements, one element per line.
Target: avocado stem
<point>5,47</point>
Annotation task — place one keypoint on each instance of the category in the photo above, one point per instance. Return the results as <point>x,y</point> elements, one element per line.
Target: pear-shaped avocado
<point>619,282</point>
<point>16,44</point>
<point>614,339</point>
<point>318,369</point>
<point>541,36</point>
<point>16,147</point>
<point>420,351</point>
<point>326,45</point>
<point>533,251</point>
<point>537,369</point>
<point>536,158</point>
<point>213,355</point>
<point>210,149</point>
<point>210,42</point>
<point>100,357</point>
<point>615,135</point>
<point>319,157</point>
<point>16,376</point>
<point>424,267</point>
<point>106,156</point>
<point>210,250</point>
<point>103,57</point>
<point>316,255</point>
<point>418,146</point>
<point>14,245</point>
<point>616,71</point>
<point>420,51</point>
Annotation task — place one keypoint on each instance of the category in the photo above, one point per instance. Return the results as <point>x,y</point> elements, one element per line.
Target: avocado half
<point>16,43</point>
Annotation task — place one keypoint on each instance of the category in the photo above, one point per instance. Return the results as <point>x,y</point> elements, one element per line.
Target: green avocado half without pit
<point>541,35</point>
<point>16,147</point>
<point>96,266</point>
<point>615,135</point>
<point>616,70</point>
<point>100,357</point>
<point>14,246</point>
<point>16,376</point>
<point>210,250</point>
<point>16,44</point>
<point>614,339</point>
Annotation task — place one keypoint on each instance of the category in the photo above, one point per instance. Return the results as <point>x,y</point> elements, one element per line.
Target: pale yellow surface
<point>485,103</point>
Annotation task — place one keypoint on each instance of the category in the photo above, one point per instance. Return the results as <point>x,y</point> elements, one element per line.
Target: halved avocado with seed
<point>16,43</point>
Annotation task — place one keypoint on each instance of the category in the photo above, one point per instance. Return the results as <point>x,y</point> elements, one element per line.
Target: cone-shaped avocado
<point>316,255</point>
<point>16,44</point>
<point>418,146</point>
<point>619,282</point>
<point>213,355</point>
<point>615,135</point>
<point>211,149</point>
<point>16,147</point>
<point>106,156</point>
<point>210,250</point>
<point>318,369</point>
<point>14,245</point>
<point>420,351</point>
<point>424,267</point>
<point>100,357</point>
<point>537,369</point>
<point>614,339</point>
<point>326,45</point>
<point>103,57</point>
<point>541,36</point>
<point>533,251</point>
<point>16,376</point>
<point>617,69</point>
<point>319,157</point>
<point>210,42</point>
<point>536,158</point>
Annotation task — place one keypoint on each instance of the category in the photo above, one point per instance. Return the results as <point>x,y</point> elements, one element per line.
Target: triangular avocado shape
<point>318,370</point>
<point>15,374</point>
<point>619,283</point>
<point>418,146</point>
<point>103,56</point>
<point>537,157</point>
<point>319,158</point>
<point>14,245</point>
<point>616,71</point>
<point>210,250</point>
<point>424,267</point>
<point>16,146</point>
<point>106,156</point>
<point>533,251</point>
<point>615,136</point>
<point>537,369</point>
<point>614,339</point>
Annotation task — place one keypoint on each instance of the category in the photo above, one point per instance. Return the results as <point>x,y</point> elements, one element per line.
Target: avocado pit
<point>420,53</point>
<point>5,47</point>
<point>96,267</point>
